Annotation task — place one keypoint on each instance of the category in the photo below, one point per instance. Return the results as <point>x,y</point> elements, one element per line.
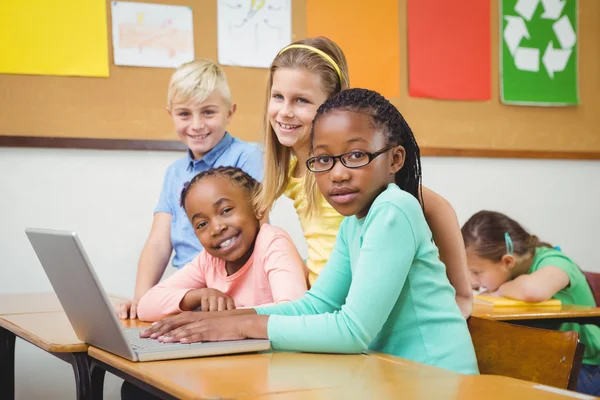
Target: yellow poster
<point>54,37</point>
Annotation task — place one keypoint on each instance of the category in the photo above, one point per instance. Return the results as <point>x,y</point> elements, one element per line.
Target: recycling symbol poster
<point>538,52</point>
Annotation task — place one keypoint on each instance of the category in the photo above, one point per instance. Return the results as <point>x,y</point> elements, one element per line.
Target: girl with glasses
<point>301,77</point>
<point>384,287</point>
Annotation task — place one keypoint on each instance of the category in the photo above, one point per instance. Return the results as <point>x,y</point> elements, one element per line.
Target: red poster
<point>449,49</point>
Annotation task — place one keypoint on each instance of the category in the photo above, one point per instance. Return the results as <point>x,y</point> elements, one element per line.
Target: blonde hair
<point>195,80</point>
<point>277,156</point>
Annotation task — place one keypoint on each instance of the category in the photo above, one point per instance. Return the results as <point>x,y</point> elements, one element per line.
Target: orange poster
<point>368,35</point>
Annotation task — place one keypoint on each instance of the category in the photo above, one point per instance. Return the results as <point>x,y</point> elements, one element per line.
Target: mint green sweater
<point>383,288</point>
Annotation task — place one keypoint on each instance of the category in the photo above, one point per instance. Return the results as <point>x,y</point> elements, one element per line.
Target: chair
<point>543,356</point>
<point>594,282</point>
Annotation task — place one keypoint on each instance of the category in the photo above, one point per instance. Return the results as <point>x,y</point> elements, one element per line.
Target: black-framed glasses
<point>352,159</point>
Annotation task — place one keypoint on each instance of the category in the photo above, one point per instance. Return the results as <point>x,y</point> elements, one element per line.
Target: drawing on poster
<point>152,35</point>
<point>251,32</point>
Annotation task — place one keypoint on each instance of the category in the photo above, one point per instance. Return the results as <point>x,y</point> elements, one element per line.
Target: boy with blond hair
<point>200,105</point>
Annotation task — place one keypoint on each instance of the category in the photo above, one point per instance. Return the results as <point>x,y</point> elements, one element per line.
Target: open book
<point>504,302</point>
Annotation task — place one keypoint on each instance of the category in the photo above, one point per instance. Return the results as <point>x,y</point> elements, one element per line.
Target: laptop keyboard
<point>138,343</point>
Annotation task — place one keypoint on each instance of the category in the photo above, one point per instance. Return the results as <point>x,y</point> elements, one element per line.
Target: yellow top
<point>320,231</point>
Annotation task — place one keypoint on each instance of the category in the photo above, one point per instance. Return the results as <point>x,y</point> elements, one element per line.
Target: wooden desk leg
<point>7,364</point>
<point>98,370</point>
<point>81,370</point>
<point>97,381</point>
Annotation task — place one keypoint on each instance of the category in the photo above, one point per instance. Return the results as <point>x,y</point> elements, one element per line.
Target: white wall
<point>108,197</point>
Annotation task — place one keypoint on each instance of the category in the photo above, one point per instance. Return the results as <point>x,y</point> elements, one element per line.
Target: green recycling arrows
<point>538,52</point>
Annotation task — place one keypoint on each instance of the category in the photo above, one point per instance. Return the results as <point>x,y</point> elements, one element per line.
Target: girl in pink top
<point>243,264</point>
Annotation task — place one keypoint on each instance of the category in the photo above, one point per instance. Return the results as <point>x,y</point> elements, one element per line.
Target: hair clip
<point>509,244</point>
<point>186,184</point>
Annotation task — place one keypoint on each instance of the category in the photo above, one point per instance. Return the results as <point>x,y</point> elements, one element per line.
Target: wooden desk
<point>23,303</point>
<point>49,329</point>
<point>540,316</point>
<point>256,374</point>
<point>39,302</point>
<point>489,387</point>
<point>295,376</point>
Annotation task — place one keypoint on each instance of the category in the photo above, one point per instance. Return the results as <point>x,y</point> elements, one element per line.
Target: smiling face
<point>296,94</point>
<point>351,191</point>
<point>223,219</point>
<point>201,125</point>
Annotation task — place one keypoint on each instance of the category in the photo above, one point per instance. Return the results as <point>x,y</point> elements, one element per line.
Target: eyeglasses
<point>352,159</point>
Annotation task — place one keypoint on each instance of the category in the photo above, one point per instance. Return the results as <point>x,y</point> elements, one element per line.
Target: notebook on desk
<point>505,302</point>
<point>91,314</point>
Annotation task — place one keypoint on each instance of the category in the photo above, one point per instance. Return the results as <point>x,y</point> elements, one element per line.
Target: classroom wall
<point>108,197</point>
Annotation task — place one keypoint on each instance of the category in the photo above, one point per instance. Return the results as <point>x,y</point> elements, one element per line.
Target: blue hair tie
<point>509,244</point>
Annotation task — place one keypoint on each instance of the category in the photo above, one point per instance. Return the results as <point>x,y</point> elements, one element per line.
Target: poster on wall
<point>368,35</point>
<point>38,37</point>
<point>151,35</point>
<point>449,49</point>
<point>251,32</point>
<point>538,52</point>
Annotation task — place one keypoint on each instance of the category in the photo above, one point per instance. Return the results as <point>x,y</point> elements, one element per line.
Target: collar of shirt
<point>214,153</point>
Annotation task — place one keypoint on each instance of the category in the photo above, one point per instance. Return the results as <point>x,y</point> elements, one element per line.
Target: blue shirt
<point>229,151</point>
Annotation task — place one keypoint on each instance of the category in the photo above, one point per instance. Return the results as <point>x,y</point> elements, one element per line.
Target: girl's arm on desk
<point>538,286</point>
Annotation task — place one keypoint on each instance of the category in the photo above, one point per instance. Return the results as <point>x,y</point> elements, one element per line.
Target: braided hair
<point>393,125</point>
<point>232,174</point>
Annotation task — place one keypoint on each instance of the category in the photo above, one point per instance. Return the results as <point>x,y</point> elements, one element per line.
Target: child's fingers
<point>230,304</point>
<point>123,309</point>
<point>133,310</point>
<point>181,332</point>
<point>164,329</point>
<point>191,339</point>
<point>221,304</point>
<point>204,305</point>
<point>213,305</point>
<point>155,330</point>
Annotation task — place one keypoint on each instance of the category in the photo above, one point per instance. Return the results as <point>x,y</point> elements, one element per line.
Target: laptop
<point>91,314</point>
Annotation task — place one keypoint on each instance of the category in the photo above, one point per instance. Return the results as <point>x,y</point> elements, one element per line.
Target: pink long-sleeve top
<point>275,273</point>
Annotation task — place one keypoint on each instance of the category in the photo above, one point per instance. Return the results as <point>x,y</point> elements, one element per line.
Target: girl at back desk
<point>507,261</point>
<point>383,287</point>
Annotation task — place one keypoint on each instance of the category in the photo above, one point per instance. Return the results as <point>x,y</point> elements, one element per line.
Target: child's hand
<point>212,300</point>
<point>209,330</point>
<point>126,309</point>
<point>234,327</point>
<point>168,324</point>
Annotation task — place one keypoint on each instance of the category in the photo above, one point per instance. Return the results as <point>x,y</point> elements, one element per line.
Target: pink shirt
<point>274,274</point>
